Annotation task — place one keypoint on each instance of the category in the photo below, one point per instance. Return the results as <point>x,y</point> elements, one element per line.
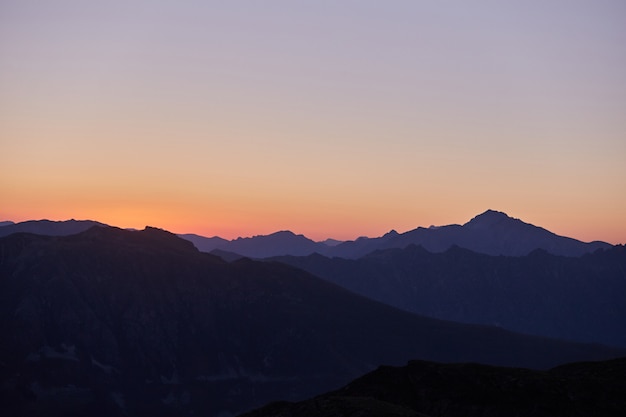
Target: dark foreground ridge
<point>427,389</point>
<point>111,322</point>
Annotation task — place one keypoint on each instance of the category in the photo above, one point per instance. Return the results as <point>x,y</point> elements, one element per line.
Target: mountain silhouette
<point>280,242</point>
<point>204,244</point>
<point>114,322</point>
<point>492,233</point>
<point>423,389</point>
<point>48,227</point>
<point>578,298</point>
<point>263,246</point>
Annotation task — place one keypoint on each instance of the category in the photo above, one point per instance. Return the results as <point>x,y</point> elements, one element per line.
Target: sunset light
<point>329,119</point>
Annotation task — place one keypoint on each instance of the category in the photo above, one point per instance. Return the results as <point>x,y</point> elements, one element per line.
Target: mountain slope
<point>570,298</point>
<point>204,244</point>
<point>48,227</point>
<point>113,322</point>
<point>285,242</point>
<point>492,233</point>
<point>459,390</point>
<point>262,246</point>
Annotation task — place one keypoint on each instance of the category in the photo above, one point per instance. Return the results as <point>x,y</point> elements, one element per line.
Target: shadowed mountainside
<point>426,389</point>
<point>113,322</point>
<point>554,296</point>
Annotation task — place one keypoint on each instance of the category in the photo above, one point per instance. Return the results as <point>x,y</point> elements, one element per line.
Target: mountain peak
<point>487,219</point>
<point>283,233</point>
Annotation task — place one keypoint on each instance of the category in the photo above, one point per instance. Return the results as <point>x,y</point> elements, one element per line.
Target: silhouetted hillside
<point>48,227</point>
<point>204,244</point>
<point>492,233</point>
<point>263,246</point>
<point>570,298</point>
<point>280,242</point>
<point>426,389</point>
<point>113,322</point>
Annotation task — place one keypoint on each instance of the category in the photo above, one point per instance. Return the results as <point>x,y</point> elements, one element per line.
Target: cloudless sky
<point>328,118</point>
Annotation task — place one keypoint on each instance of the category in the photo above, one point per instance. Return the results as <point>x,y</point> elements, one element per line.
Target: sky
<point>328,118</point>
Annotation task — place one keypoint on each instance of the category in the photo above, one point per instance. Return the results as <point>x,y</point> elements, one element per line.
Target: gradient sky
<point>328,118</point>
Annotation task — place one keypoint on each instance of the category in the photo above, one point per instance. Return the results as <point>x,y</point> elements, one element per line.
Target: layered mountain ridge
<point>47,227</point>
<point>114,322</point>
<point>574,298</point>
<point>492,233</point>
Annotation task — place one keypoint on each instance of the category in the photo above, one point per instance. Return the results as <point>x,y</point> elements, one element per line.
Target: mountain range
<point>492,233</point>
<point>115,322</point>
<point>574,298</point>
<point>47,227</point>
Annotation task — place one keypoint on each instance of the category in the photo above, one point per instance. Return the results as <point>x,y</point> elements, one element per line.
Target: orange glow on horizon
<point>198,127</point>
<point>240,225</point>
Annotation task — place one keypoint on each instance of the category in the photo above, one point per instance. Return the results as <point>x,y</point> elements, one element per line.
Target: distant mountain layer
<point>48,227</point>
<point>426,389</point>
<point>492,233</point>
<point>113,322</point>
<point>579,298</point>
<point>204,244</point>
<point>264,246</point>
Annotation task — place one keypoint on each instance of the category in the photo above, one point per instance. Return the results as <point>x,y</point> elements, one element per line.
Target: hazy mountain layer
<point>48,227</point>
<point>492,233</point>
<point>263,246</point>
<point>112,322</point>
<point>426,389</point>
<point>569,298</point>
